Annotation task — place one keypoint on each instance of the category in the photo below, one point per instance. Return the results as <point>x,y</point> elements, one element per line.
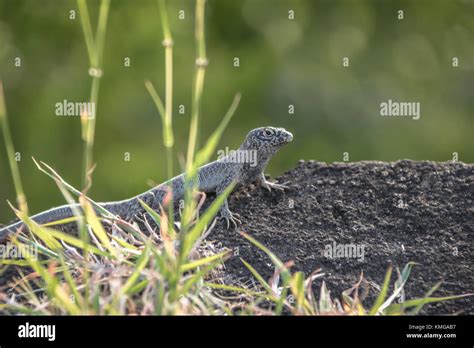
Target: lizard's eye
<point>268,132</point>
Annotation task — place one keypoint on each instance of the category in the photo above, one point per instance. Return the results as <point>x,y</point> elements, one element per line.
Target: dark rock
<point>401,211</point>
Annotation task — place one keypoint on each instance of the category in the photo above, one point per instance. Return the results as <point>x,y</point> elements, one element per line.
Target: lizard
<point>214,177</point>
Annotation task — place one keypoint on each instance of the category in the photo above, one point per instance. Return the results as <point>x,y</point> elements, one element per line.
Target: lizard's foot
<point>230,217</point>
<point>272,185</point>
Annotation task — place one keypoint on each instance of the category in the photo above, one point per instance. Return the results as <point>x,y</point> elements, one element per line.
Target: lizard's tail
<point>55,214</point>
<point>126,209</point>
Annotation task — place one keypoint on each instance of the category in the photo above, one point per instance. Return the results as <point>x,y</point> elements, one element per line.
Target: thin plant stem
<point>168,45</point>
<point>200,72</point>
<point>20,195</point>
<point>95,48</point>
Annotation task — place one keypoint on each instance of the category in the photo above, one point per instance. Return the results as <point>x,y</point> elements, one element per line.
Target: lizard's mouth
<point>288,137</point>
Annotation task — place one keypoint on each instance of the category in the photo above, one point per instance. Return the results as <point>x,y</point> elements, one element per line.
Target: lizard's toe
<point>236,221</point>
<point>280,187</point>
<point>269,185</point>
<point>235,216</point>
<point>231,219</point>
<point>266,186</point>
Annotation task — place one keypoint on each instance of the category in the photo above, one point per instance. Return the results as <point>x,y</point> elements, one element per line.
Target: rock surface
<point>399,212</point>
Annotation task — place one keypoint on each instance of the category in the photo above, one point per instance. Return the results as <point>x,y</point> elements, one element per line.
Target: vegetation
<point>158,266</point>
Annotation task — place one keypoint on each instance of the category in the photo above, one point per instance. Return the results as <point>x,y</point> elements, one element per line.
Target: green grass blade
<point>399,307</point>
<point>101,30</point>
<point>78,243</point>
<point>196,231</point>
<point>205,154</point>
<point>20,194</point>
<point>285,274</point>
<point>154,215</point>
<point>257,275</point>
<point>168,138</point>
<point>199,276</point>
<point>87,28</point>
<point>405,274</point>
<point>428,294</point>
<point>241,290</point>
<point>96,226</point>
<point>383,292</point>
<point>205,260</point>
<point>139,266</point>
<point>41,232</point>
<point>297,288</point>
<point>138,287</point>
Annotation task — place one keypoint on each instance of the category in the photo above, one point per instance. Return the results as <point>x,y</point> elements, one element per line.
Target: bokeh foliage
<point>282,62</point>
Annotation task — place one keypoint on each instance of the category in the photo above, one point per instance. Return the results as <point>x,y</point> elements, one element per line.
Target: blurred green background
<point>282,62</point>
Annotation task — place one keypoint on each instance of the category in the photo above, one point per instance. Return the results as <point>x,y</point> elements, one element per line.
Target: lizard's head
<point>267,139</point>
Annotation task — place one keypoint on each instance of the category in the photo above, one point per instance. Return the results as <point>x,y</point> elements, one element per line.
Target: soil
<point>399,212</point>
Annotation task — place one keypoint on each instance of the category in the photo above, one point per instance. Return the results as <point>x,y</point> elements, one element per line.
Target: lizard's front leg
<point>225,213</point>
<point>228,216</point>
<point>269,185</point>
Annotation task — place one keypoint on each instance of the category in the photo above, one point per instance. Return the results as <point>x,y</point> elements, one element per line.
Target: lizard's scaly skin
<point>259,145</point>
